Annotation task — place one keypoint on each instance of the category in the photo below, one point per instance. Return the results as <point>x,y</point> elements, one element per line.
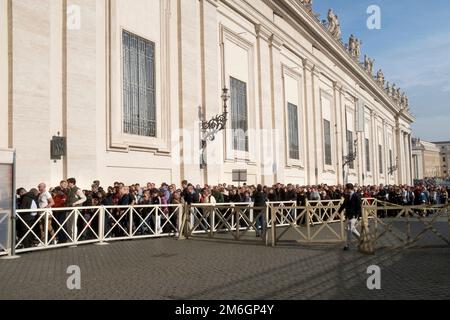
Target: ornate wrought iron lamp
<point>394,168</point>
<point>351,157</point>
<point>210,129</point>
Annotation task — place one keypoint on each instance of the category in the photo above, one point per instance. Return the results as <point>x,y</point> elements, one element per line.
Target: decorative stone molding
<point>337,85</point>
<point>316,71</point>
<point>308,64</point>
<point>275,41</point>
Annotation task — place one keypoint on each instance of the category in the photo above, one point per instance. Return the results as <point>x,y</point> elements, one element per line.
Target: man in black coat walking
<point>353,209</point>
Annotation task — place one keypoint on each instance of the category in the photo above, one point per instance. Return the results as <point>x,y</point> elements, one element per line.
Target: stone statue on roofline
<point>334,26</point>
<point>358,44</point>
<point>398,95</point>
<point>354,47</point>
<point>403,100</point>
<point>307,4</point>
<point>380,78</point>
<point>393,90</point>
<point>368,64</point>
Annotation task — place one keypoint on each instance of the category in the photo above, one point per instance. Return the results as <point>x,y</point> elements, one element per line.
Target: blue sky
<point>412,48</point>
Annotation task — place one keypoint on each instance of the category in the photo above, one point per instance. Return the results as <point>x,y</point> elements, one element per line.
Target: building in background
<point>117,86</point>
<point>427,162</point>
<point>444,147</point>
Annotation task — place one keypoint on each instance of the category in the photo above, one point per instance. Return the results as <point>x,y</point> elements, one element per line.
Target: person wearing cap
<point>353,209</point>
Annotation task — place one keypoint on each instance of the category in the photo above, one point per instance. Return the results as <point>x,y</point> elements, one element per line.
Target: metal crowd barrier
<point>211,219</point>
<point>401,227</point>
<point>317,222</point>
<point>221,216</point>
<point>309,223</point>
<point>324,211</point>
<point>285,212</point>
<point>40,229</point>
<point>237,219</point>
<point>404,227</point>
<point>140,222</point>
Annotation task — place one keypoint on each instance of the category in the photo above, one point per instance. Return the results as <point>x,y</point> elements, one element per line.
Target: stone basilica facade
<point>125,86</point>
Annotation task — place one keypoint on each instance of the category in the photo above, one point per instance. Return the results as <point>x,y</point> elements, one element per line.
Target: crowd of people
<point>69,195</point>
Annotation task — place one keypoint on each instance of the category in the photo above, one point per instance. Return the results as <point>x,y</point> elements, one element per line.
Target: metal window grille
<point>239,115</point>
<point>380,156</point>
<point>368,164</point>
<point>139,102</point>
<point>391,159</point>
<point>350,147</point>
<point>327,138</point>
<point>294,145</point>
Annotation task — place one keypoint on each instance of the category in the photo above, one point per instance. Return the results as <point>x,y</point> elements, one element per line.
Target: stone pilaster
<point>276,88</point>
<point>5,74</point>
<point>375,156</point>
<point>81,94</point>
<point>210,85</point>
<point>58,12</point>
<point>311,97</point>
<point>338,90</point>
<point>189,61</point>
<point>31,90</point>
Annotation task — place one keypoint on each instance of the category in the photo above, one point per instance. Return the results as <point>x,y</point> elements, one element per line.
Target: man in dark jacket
<point>29,201</point>
<point>260,202</point>
<point>353,209</point>
<point>191,196</point>
<point>280,193</point>
<point>291,194</point>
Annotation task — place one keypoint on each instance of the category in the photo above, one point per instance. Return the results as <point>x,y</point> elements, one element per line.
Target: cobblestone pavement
<point>215,269</point>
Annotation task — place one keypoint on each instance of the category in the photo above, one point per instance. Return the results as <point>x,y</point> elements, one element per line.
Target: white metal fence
<point>65,227</point>
<point>221,216</point>
<point>238,218</point>
<point>41,229</point>
<point>122,223</point>
<point>285,213</point>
